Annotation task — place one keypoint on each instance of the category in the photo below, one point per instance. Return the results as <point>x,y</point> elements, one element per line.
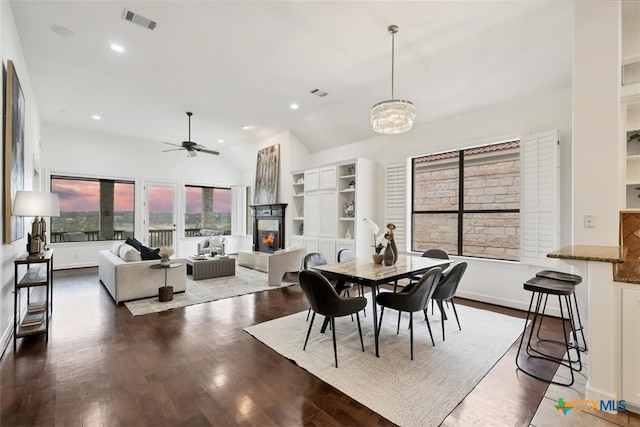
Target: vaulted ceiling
<point>242,63</point>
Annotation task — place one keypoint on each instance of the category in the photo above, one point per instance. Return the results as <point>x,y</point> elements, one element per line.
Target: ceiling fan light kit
<point>394,115</point>
<point>191,147</point>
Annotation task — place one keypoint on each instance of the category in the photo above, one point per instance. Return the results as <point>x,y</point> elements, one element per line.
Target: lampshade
<point>36,203</point>
<point>394,115</point>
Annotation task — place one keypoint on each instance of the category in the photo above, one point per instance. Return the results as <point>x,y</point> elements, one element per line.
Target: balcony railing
<point>157,238</point>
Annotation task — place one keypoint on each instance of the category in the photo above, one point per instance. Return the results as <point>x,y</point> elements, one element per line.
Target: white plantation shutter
<point>539,198</point>
<point>395,209</point>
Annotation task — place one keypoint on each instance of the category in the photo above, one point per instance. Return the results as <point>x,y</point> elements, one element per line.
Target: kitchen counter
<point>626,269</point>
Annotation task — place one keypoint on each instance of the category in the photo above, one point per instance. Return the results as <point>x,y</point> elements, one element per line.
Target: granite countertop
<point>625,270</point>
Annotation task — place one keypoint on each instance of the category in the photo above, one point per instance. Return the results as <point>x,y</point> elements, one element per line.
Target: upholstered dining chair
<point>345,255</point>
<point>411,301</point>
<point>447,288</point>
<point>325,301</point>
<point>314,258</point>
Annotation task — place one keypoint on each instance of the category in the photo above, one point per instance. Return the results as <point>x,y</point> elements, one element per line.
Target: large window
<point>207,211</point>
<point>467,202</point>
<point>92,209</point>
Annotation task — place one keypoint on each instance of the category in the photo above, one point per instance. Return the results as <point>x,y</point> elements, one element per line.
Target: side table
<point>165,293</point>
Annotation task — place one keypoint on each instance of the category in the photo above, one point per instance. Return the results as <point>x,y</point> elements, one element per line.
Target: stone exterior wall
<point>491,182</point>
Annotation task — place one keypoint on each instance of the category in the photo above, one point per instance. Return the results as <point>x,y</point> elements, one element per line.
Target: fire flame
<point>269,240</point>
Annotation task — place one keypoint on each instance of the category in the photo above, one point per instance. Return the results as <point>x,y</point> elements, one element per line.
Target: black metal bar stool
<point>540,288</point>
<point>574,280</point>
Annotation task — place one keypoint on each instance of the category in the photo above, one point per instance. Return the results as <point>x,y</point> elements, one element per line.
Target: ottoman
<point>210,268</point>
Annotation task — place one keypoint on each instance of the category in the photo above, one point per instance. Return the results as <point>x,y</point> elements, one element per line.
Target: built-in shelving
<point>298,204</point>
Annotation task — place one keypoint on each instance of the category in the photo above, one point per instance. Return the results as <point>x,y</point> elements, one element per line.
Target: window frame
<point>184,207</point>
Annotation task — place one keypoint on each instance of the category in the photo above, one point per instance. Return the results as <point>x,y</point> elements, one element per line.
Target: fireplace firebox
<point>268,227</point>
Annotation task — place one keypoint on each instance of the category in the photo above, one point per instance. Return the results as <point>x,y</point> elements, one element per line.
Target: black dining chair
<point>314,258</point>
<point>414,300</point>
<point>345,255</point>
<point>325,301</point>
<point>446,290</point>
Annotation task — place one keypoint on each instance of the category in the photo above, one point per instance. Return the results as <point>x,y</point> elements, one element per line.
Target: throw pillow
<point>115,248</point>
<point>148,253</point>
<point>215,241</point>
<point>131,241</point>
<point>129,254</point>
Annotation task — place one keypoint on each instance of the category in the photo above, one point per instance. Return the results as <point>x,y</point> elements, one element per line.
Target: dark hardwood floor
<point>196,366</point>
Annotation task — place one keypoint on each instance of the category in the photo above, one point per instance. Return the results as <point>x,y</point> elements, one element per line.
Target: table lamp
<point>37,204</point>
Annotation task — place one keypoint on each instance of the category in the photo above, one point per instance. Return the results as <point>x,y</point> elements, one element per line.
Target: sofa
<point>127,277</point>
<point>225,245</point>
<point>276,265</point>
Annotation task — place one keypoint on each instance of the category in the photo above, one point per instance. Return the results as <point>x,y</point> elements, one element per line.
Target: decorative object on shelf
<point>301,228</point>
<point>349,209</point>
<point>347,235</point>
<point>395,115</point>
<point>377,258</point>
<point>165,252</point>
<point>37,204</point>
<point>300,181</point>
<point>352,185</point>
<point>351,170</point>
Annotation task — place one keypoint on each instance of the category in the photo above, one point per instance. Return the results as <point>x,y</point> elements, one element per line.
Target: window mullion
<point>460,201</point>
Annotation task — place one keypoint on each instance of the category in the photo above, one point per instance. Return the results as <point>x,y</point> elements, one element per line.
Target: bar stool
<point>574,280</point>
<point>543,287</point>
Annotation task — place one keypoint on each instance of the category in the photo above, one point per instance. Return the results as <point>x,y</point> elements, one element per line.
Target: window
<point>92,209</point>
<point>207,210</point>
<point>467,202</point>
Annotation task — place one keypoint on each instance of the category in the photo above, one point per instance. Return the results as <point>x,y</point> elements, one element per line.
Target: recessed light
<point>247,127</point>
<point>293,106</point>
<point>221,141</point>
<point>96,117</point>
<point>117,48</point>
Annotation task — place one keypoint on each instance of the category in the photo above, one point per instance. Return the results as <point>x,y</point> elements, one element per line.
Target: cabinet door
<point>311,180</point>
<point>311,245</point>
<point>327,247</point>
<point>297,241</point>
<point>631,346</point>
<point>328,177</point>
<point>345,244</point>
<point>327,209</point>
<point>312,214</point>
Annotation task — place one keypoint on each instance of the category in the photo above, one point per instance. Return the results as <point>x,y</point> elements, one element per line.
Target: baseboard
<point>504,302</point>
<point>6,338</point>
<point>72,266</point>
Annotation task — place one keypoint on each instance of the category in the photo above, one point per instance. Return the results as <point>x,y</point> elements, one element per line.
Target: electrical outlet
<point>589,221</point>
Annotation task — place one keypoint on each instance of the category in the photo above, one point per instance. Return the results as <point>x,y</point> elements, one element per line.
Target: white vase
<point>165,261</point>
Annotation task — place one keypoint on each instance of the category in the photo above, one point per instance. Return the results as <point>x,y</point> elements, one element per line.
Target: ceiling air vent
<point>318,92</point>
<point>137,19</point>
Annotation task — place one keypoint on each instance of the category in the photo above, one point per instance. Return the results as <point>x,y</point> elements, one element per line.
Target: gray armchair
<point>211,246</point>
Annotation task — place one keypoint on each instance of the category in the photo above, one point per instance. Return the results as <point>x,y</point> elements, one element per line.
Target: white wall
<point>96,154</point>
<point>10,49</point>
<point>495,282</point>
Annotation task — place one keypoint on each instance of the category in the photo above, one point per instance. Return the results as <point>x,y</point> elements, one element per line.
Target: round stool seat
<point>557,275</point>
<point>544,285</point>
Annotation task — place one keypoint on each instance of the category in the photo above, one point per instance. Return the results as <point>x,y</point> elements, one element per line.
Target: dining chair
<point>447,288</point>
<point>325,301</point>
<point>345,255</point>
<point>414,300</point>
<point>314,258</point>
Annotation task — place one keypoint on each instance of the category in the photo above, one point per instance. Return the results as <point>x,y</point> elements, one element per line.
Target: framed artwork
<point>13,151</point>
<point>267,175</point>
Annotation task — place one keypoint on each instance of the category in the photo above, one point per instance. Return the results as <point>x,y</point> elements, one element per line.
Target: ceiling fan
<point>191,147</point>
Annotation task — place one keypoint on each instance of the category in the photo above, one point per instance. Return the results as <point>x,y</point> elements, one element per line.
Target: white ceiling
<point>236,63</point>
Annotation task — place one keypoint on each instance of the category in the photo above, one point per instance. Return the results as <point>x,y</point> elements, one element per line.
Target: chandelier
<point>394,115</point>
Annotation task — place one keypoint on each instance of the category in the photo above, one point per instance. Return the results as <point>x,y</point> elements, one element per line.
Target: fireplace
<point>268,227</point>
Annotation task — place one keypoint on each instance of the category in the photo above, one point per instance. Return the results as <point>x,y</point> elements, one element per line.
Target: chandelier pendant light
<point>394,115</point>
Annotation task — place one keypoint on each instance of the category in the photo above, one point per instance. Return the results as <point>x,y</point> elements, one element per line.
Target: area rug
<point>419,392</point>
<point>246,281</point>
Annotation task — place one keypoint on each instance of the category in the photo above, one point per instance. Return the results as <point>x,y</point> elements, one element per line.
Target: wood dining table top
<point>366,272</point>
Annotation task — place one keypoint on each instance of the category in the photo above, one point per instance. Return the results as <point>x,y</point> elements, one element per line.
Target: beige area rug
<point>246,281</point>
<point>421,392</point>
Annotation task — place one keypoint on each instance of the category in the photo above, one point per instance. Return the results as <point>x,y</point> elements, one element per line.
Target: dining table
<point>365,272</point>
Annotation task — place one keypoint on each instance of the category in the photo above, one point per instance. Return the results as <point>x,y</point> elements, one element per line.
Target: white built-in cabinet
<point>631,346</point>
<point>336,198</point>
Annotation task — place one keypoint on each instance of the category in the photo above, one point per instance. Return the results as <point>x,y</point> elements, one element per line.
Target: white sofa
<point>276,265</point>
<point>129,280</point>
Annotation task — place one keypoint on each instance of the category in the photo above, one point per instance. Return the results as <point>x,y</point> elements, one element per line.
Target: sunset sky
<point>85,196</point>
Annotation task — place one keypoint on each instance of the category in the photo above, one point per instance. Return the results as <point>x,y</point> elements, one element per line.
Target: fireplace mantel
<point>272,211</point>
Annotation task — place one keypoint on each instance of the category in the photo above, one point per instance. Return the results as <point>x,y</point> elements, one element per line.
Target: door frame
<point>146,184</point>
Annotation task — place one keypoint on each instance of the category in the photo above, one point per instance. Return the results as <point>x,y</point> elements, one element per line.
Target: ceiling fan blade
<point>173,149</point>
<point>207,151</point>
<point>175,145</point>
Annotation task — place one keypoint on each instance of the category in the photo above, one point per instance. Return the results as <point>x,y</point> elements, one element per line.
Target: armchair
<point>211,246</point>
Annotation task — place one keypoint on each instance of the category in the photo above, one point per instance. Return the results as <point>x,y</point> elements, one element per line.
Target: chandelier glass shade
<point>394,115</point>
